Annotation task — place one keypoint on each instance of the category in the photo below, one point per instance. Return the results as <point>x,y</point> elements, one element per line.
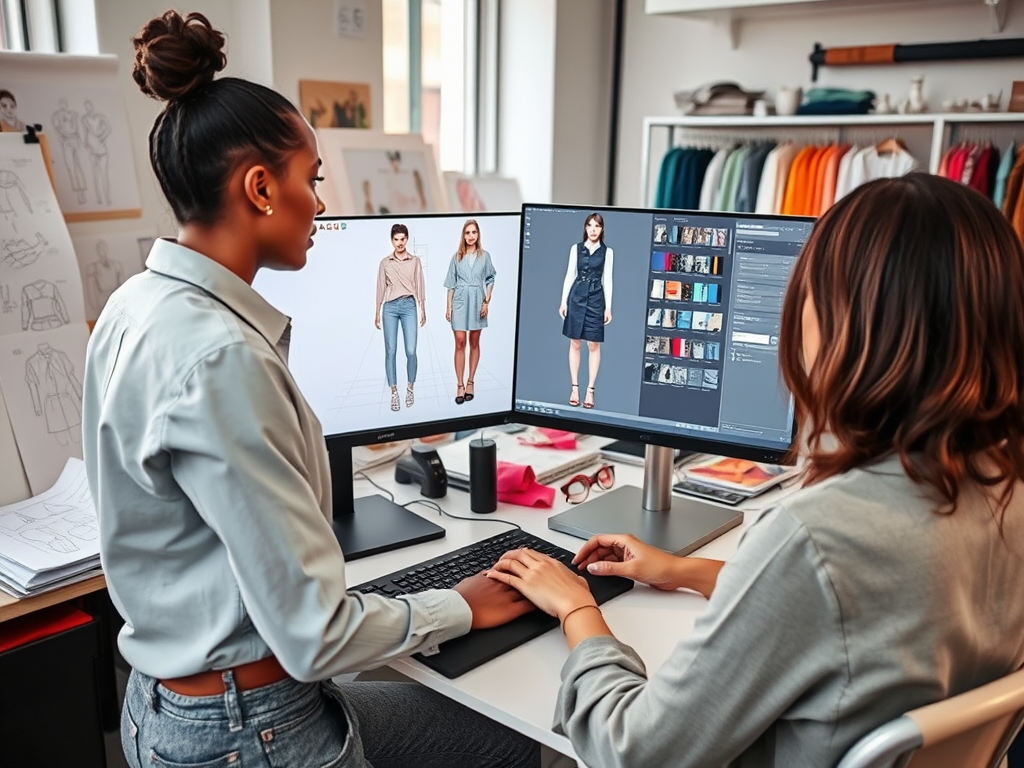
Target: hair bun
<point>176,55</point>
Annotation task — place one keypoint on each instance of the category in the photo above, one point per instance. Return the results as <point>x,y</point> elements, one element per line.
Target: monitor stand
<point>371,524</point>
<point>672,523</point>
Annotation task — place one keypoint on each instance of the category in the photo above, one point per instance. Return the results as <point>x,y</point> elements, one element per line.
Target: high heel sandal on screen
<point>460,395</point>
<point>410,398</point>
<point>469,395</point>
<point>394,400</point>
<point>589,402</point>
<point>574,395</point>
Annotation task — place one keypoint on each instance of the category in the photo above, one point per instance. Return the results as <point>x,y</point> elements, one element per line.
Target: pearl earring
<point>268,210</point>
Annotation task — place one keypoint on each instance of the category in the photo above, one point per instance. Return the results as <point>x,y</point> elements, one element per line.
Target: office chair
<point>971,730</point>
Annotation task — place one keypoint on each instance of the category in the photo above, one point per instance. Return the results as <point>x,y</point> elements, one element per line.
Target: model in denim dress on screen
<point>587,304</point>
<point>210,476</point>
<point>401,303</point>
<point>470,281</point>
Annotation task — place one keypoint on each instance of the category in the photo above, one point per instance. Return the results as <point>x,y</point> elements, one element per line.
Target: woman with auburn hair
<point>470,282</point>
<point>891,579</point>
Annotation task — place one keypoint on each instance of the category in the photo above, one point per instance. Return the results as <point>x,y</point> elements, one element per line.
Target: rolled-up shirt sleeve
<point>238,453</point>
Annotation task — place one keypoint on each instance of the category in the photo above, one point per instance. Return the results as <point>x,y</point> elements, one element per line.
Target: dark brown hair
<point>208,126</point>
<point>399,229</point>
<point>918,286</point>
<point>594,217</point>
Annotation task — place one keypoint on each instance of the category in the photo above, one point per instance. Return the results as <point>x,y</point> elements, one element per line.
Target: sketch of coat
<point>10,184</point>
<point>42,307</point>
<point>19,252</point>
<point>55,390</point>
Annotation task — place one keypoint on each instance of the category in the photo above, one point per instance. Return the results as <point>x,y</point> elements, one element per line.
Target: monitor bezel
<point>666,437</point>
<point>425,428</point>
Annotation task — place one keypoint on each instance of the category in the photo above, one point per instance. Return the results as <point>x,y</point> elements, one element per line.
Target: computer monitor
<point>688,359</point>
<point>338,355</point>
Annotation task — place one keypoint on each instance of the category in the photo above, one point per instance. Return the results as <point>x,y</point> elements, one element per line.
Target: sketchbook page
<point>106,261</point>
<point>40,285</point>
<point>54,529</point>
<point>77,101</point>
<point>742,475</point>
<point>41,375</point>
<point>13,483</point>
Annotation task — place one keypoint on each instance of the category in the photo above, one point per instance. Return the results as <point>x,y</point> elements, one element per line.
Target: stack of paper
<point>51,539</point>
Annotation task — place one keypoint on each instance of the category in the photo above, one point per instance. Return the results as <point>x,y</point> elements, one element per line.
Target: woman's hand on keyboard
<point>492,602</point>
<point>546,582</point>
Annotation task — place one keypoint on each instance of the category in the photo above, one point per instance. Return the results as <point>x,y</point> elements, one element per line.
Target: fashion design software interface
<point>364,322</point>
<point>692,326</point>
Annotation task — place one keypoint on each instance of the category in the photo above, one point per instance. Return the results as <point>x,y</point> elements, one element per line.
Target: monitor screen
<point>343,361</point>
<point>687,356</point>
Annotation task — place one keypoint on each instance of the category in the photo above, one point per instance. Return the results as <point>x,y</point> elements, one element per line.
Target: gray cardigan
<point>850,603</point>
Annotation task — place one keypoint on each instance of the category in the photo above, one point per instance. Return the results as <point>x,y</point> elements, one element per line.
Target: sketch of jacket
<point>55,390</point>
<point>42,307</point>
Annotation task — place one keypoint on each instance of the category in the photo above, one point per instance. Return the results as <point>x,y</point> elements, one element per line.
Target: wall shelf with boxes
<point>927,136</point>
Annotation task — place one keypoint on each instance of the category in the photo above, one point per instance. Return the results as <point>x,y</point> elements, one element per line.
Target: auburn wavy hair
<point>918,287</point>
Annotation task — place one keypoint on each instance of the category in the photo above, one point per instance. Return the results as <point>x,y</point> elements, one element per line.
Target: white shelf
<point>942,128</point>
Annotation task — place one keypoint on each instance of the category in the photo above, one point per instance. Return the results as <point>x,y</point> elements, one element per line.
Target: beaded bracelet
<point>577,608</point>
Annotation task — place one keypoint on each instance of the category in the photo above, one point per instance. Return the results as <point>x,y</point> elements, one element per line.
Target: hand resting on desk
<point>492,602</point>
<point>620,554</point>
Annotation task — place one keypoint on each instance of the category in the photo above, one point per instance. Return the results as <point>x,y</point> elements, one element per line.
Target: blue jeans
<point>313,725</point>
<point>393,312</point>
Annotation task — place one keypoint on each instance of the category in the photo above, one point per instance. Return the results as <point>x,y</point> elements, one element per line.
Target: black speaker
<point>483,475</point>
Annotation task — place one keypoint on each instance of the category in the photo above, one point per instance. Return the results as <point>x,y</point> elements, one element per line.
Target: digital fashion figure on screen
<point>401,302</point>
<point>587,304</point>
<point>211,478</point>
<point>470,281</point>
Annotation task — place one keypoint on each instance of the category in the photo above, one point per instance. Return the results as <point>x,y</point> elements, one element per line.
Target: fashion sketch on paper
<point>12,190</point>
<point>470,281</point>
<point>401,304</point>
<point>42,307</point>
<point>18,252</point>
<point>65,123</point>
<point>56,393</point>
<point>587,304</point>
<point>96,129</point>
<point>102,278</point>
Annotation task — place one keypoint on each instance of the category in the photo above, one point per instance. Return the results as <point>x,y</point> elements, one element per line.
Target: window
<point>430,51</point>
<point>49,26</point>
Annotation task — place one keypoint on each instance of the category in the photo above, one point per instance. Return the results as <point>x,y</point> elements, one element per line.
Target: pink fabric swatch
<point>517,484</point>
<point>544,437</point>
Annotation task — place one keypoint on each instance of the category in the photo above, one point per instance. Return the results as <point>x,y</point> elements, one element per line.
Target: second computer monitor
<point>672,316</point>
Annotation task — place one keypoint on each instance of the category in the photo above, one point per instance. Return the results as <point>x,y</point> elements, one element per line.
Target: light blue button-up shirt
<point>212,486</point>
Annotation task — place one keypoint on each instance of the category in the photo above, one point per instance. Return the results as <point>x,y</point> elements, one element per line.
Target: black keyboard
<point>462,654</point>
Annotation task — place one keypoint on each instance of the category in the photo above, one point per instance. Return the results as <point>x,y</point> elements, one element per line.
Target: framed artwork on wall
<point>374,173</point>
<point>482,193</point>
<point>329,104</point>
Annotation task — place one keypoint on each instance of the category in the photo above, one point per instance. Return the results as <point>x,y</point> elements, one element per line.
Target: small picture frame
<point>1016,97</point>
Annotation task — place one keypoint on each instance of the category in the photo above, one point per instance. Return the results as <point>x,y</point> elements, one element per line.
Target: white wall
<point>583,79</point>
<point>664,54</point>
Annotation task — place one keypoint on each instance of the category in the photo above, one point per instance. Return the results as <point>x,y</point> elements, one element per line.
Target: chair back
<point>971,730</point>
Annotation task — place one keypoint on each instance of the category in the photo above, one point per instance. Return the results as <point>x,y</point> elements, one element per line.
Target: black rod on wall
<point>1011,47</point>
<point>613,129</point>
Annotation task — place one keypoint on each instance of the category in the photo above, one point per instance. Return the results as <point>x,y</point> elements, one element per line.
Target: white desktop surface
<point>519,688</point>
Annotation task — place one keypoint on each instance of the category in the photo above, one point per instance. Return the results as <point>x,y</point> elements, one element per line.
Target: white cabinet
<point>926,136</point>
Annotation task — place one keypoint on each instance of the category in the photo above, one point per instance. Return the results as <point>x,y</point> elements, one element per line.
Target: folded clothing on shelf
<point>719,98</point>
<point>836,101</point>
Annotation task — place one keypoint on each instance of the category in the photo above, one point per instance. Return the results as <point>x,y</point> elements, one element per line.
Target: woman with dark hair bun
<point>210,475</point>
<point>892,578</point>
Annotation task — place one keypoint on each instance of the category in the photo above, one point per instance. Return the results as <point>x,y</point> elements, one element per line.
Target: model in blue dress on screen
<point>470,281</point>
<point>587,304</point>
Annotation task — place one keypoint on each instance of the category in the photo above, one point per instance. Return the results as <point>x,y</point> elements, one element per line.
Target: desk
<point>519,688</point>
<point>11,607</point>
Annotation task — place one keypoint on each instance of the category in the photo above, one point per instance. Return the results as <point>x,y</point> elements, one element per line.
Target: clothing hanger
<point>891,145</point>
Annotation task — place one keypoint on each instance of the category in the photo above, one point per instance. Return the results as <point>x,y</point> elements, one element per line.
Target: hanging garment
<point>831,177</point>
<point>750,177</point>
<point>844,174</point>
<point>1003,173</point>
<point>773,178</point>
<point>713,179</point>
<point>42,307</point>
<point>666,176</point>
<point>725,197</point>
<point>585,303</point>
<point>795,180</point>
<point>1013,205</point>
